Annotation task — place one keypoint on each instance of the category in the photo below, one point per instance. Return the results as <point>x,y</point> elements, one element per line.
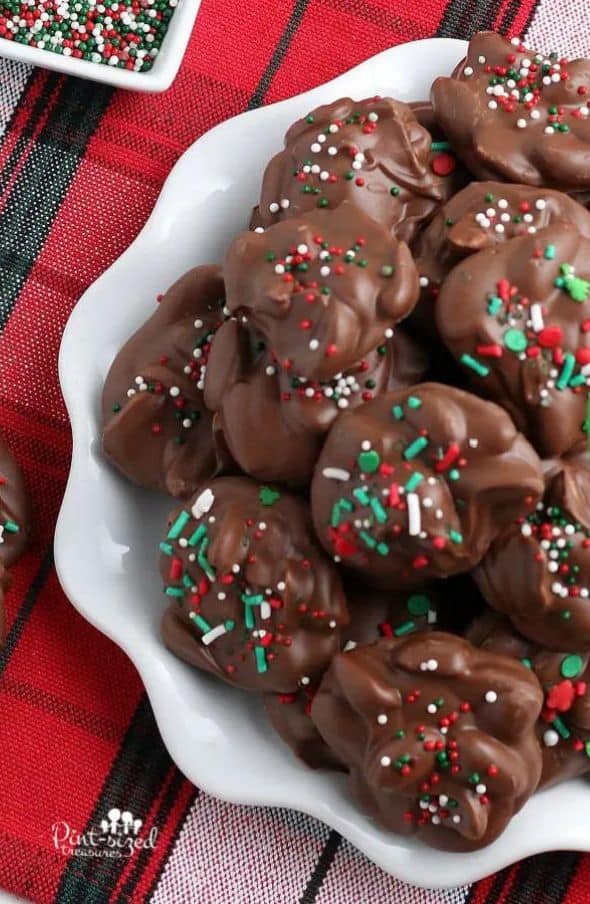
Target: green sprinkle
<point>571,666</point>
<point>202,623</point>
<point>361,496</point>
<point>515,340</point>
<point>309,118</point>
<point>561,728</point>
<point>399,734</point>
<point>378,510</point>
<point>587,748</point>
<point>116,408</point>
<point>349,175</point>
<point>383,549</point>
<point>260,654</point>
<point>166,548</point>
<point>369,461</point>
<point>577,288</point>
<point>527,663</point>
<point>578,380</point>
<point>414,402</point>
<point>323,202</point>
<point>252,600</point>
<point>405,628</point>
<point>187,581</point>
<point>549,253</point>
<point>454,474</point>
<point>414,481</point>
<point>268,496</point>
<point>179,525</point>
<point>394,191</point>
<point>494,305</point>
<point>455,536</point>
<point>488,198</point>
<point>198,535</point>
<point>174,591</point>
<point>440,146</point>
<point>475,365</point>
<point>367,539</point>
<point>203,560</point>
<point>229,624</point>
<point>418,604</point>
<point>566,614</point>
<point>387,270</point>
<point>569,363</point>
<point>474,778</point>
<point>415,448</point>
<point>398,412</point>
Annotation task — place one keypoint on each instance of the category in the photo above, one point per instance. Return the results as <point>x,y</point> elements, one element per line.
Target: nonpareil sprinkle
<point>126,34</point>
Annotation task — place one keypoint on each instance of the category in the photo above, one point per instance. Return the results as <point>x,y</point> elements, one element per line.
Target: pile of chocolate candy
<point>383,529</point>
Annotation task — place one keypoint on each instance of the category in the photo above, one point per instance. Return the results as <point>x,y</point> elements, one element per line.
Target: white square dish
<point>108,532</point>
<point>156,79</point>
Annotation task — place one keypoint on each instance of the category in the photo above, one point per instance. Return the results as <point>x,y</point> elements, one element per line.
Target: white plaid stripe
<point>12,81</point>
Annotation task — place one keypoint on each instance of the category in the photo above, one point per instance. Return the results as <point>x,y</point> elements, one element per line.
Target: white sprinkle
<point>431,708</point>
<point>535,114</point>
<point>203,503</point>
<point>386,761</point>
<point>274,207</point>
<point>537,317</point>
<point>350,644</point>
<point>490,696</point>
<point>304,681</point>
<point>285,203</point>
<point>314,344</point>
<point>382,719</point>
<point>502,203</point>
<point>481,59</point>
<point>265,610</point>
<point>521,123</point>
<point>281,586</point>
<point>526,530</point>
<point>373,117</point>
<point>336,474</point>
<point>315,148</point>
<point>213,634</point>
<point>414,516</point>
<point>540,204</point>
<point>456,818</point>
<point>468,71</point>
<point>481,789</point>
<point>332,151</point>
<point>492,105</point>
<point>550,738</point>
<point>424,281</point>
<point>389,333</point>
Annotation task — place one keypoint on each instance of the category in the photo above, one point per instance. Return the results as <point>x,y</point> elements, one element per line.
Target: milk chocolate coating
<point>439,736</point>
<point>417,484</point>
<point>157,431</point>
<point>273,421</point>
<point>518,115</point>
<point>371,152</point>
<point>373,614</point>
<point>538,571</point>
<point>482,215</point>
<point>563,728</point>
<point>15,510</point>
<point>322,288</point>
<point>240,561</point>
<point>517,316</point>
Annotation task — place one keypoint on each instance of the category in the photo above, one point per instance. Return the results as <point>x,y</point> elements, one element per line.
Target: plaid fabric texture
<point>80,169</point>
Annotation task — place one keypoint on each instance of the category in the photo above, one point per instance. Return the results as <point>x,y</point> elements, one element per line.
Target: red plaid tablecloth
<point>80,170</point>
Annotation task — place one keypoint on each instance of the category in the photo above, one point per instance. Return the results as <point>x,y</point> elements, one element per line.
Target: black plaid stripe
<point>280,50</point>
<point>135,777</point>
<point>543,879</point>
<point>26,607</point>
<point>37,109</point>
<point>43,183</point>
<point>463,18</point>
<point>321,868</point>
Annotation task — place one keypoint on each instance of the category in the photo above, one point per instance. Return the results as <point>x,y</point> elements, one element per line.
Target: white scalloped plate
<point>108,532</point>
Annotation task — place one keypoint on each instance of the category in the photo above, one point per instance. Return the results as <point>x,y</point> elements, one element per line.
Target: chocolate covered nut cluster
<point>439,737</point>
